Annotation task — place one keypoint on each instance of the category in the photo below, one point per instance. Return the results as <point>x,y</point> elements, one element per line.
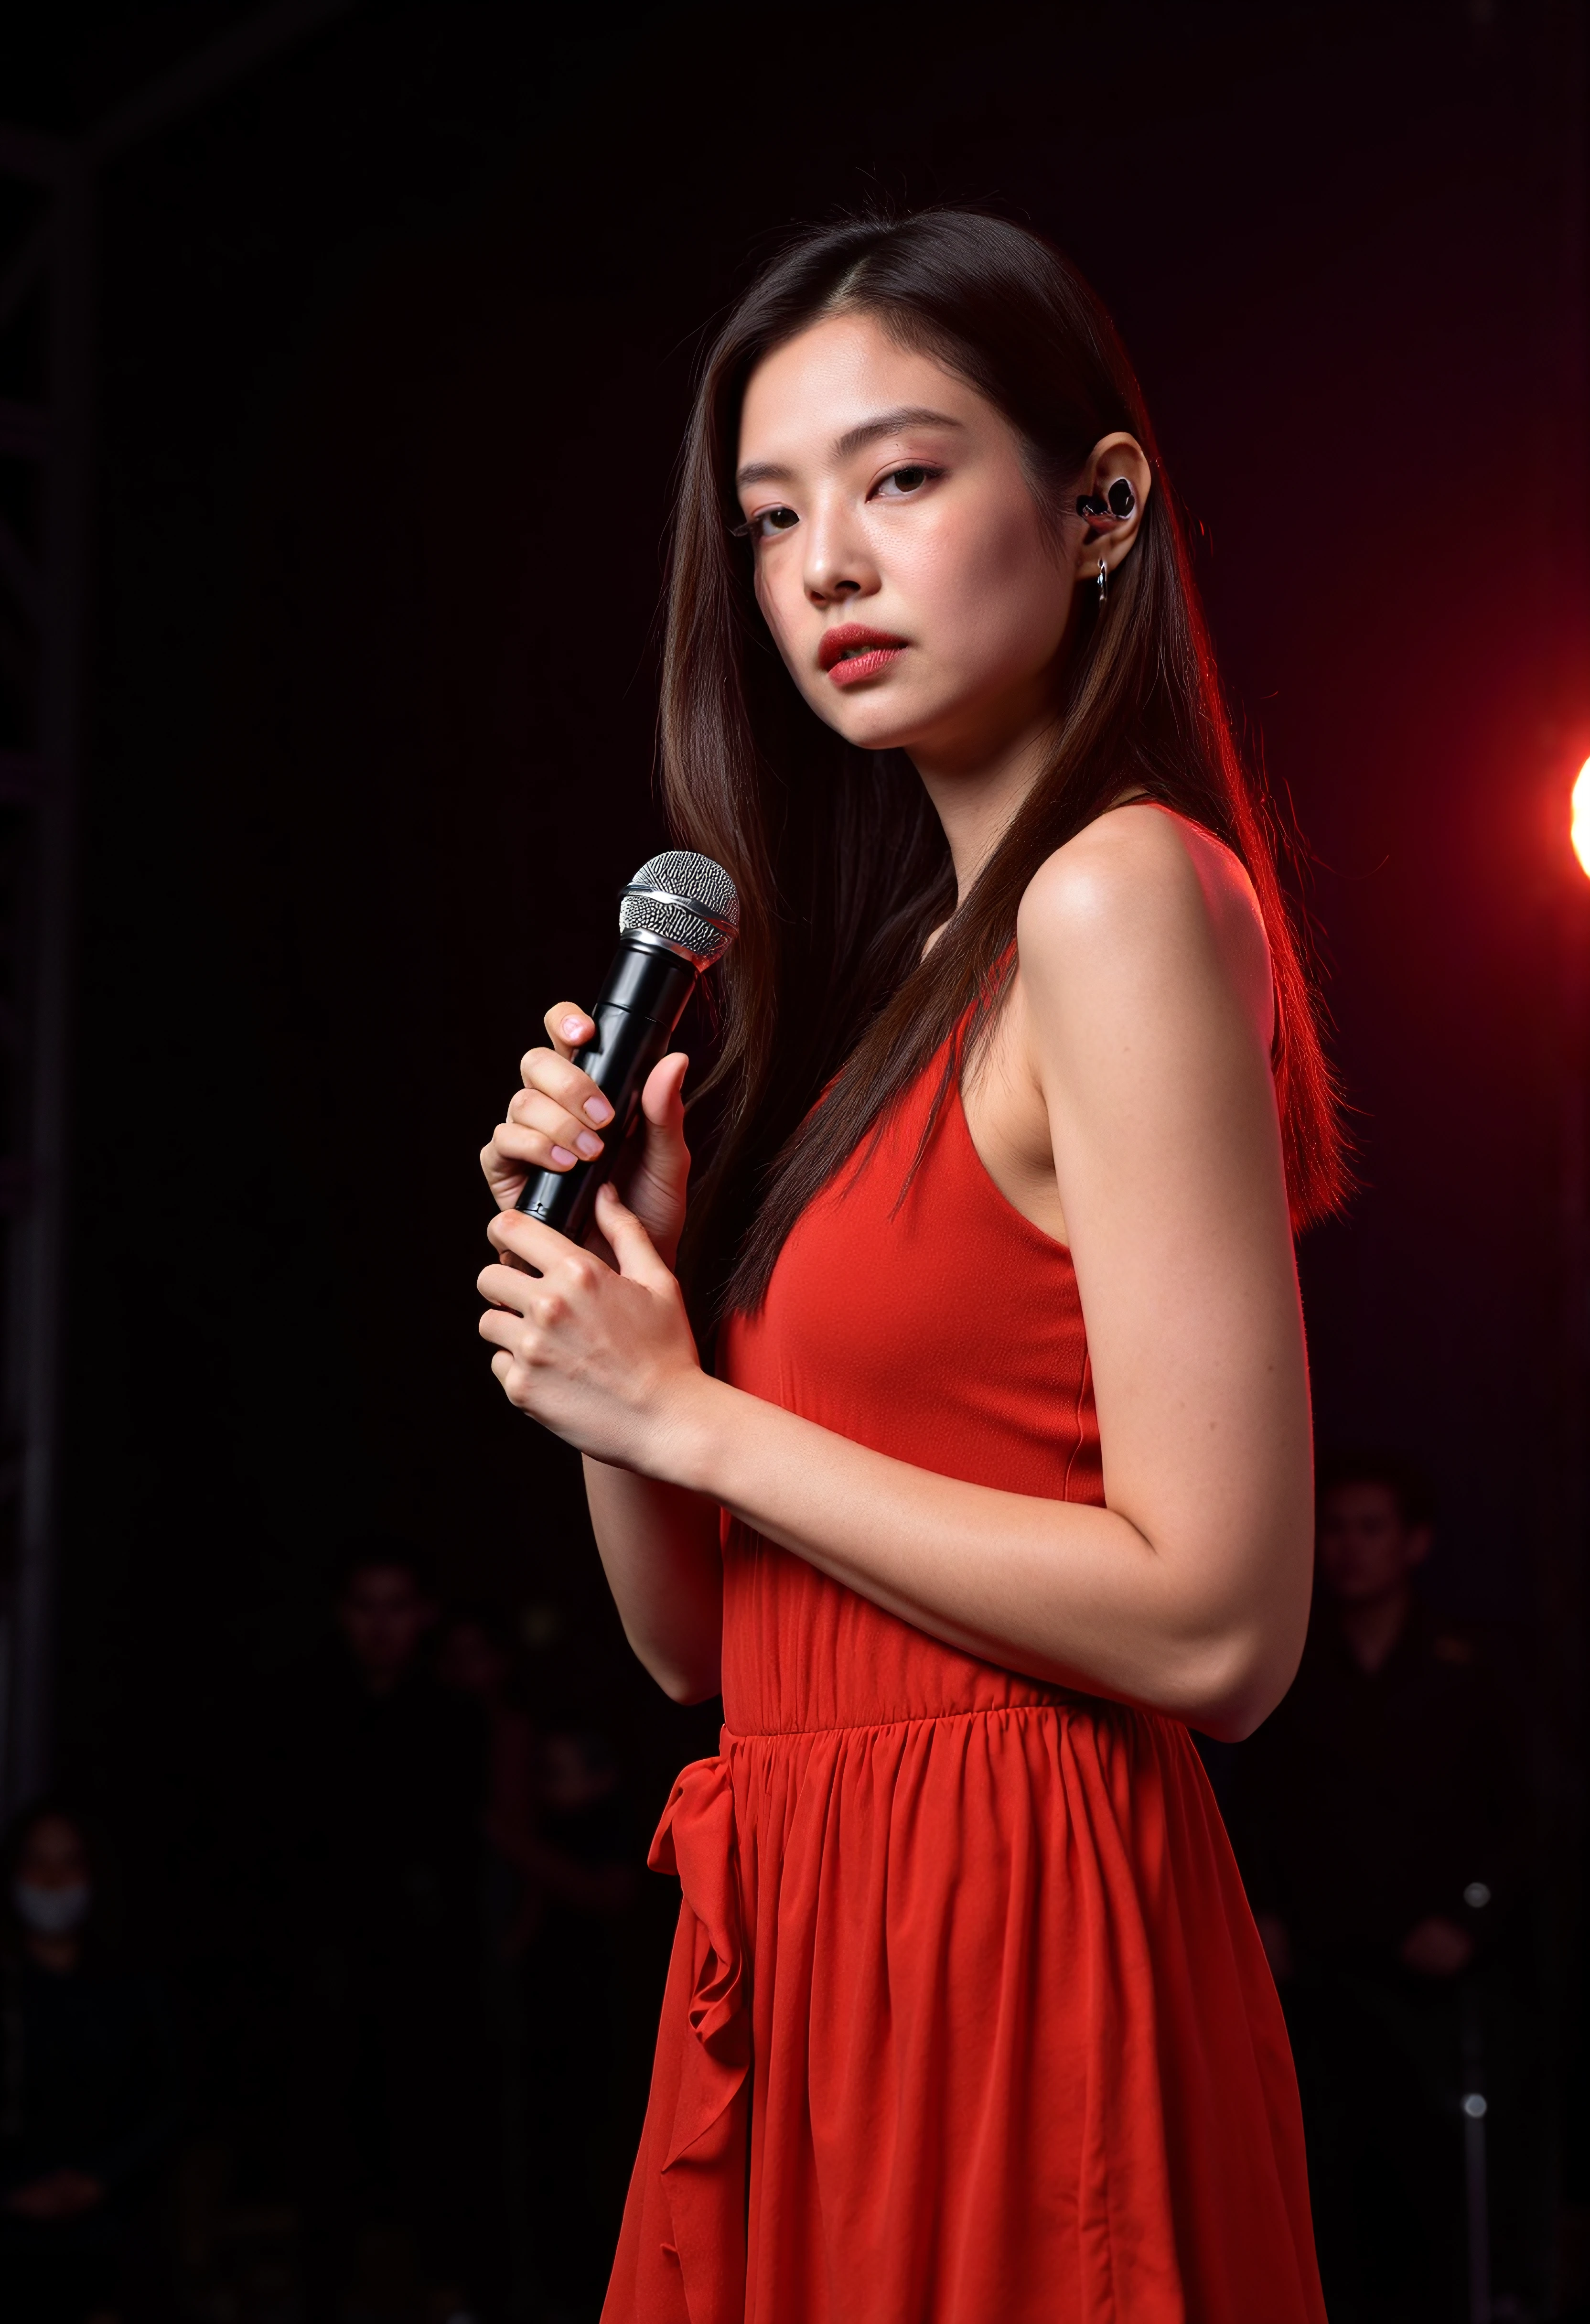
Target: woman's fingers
<point>552,1142</point>
<point>540,1275</point>
<point>556,1118</point>
<point>579,1344</point>
<point>509,1289</point>
<point>527,1151</point>
<point>569,1027</point>
<point>662,1101</point>
<point>632,1247</point>
<point>550,1073</point>
<point>563,1270</point>
<point>658,1168</point>
<point>665,1157</point>
<point>541,1132</point>
<point>518,1236</point>
<point>594,1352</point>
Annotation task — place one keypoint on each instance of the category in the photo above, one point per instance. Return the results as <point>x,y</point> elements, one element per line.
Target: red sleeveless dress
<point>966,2021</point>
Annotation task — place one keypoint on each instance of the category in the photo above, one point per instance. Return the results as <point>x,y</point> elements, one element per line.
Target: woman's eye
<point>764,525</point>
<point>900,482</point>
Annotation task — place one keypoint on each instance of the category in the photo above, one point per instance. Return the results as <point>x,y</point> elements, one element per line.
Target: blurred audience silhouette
<point>585,1871</point>
<point>89,2086</point>
<point>453,1957</point>
<point>379,1785</point>
<point>1381,1819</point>
<point>567,1870</point>
<point>475,1659</point>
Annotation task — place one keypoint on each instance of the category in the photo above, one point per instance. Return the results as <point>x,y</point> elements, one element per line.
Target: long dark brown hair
<point>840,863</point>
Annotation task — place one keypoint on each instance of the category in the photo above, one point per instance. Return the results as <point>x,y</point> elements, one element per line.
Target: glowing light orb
<point>1579,829</point>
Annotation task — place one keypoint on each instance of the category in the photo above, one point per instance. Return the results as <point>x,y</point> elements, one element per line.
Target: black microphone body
<point>636,1012</point>
<point>676,918</point>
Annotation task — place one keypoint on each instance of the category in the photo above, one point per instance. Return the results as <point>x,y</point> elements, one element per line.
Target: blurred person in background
<point>474,1657</point>
<point>89,2086</point>
<point>567,1860</point>
<point>380,1788</point>
<point>584,1863</point>
<point>1380,1816</point>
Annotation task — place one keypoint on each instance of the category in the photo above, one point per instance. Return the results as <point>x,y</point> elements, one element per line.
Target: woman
<point>89,2084</point>
<point>967,2019</point>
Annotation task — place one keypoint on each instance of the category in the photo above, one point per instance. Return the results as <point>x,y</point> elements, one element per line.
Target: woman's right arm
<point>659,1543</point>
<point>660,1550</point>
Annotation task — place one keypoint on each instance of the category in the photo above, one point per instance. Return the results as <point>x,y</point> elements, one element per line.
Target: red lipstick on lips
<point>853,652</point>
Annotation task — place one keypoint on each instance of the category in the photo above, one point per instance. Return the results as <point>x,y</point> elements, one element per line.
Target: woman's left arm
<point>1144,1001</point>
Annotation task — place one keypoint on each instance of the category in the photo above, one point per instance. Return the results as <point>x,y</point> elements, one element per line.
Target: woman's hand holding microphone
<point>594,1344</point>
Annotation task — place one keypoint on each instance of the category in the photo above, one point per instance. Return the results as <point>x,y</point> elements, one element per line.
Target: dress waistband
<point>1048,1704</point>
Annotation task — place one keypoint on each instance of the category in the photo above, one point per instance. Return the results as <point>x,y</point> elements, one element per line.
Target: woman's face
<point>918,597</point>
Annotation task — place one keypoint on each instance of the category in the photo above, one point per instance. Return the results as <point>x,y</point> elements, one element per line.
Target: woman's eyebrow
<point>763,471</point>
<point>890,423</point>
<point>887,423</point>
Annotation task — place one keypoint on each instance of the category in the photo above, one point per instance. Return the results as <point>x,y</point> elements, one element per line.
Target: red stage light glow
<point>1579,828</point>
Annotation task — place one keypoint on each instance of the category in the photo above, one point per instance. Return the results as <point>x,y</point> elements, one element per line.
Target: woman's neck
<point>977,794</point>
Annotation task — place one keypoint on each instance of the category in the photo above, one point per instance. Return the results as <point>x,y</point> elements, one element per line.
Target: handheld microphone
<point>678,916</point>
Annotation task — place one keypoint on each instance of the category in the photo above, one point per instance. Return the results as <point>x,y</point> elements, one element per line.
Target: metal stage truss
<point>50,190</point>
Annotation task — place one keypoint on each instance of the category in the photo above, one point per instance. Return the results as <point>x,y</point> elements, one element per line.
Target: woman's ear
<point>1115,484</point>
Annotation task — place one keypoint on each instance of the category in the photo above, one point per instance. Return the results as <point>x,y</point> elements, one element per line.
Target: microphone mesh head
<point>688,899</point>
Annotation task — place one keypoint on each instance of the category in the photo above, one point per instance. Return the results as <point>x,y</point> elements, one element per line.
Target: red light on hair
<point>1579,828</point>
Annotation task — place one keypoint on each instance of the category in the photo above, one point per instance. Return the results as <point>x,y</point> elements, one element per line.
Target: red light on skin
<point>1579,828</point>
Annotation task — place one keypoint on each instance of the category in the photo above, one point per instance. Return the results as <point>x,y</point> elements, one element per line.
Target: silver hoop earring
<point>1103,584</point>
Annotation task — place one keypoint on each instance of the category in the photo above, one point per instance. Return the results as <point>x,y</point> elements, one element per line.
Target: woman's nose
<point>837,564</point>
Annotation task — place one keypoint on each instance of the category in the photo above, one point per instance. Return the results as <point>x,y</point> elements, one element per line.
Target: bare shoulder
<point>1144,894</point>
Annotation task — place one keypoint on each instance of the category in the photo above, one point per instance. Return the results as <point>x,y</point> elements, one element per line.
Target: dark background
<point>395,346</point>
